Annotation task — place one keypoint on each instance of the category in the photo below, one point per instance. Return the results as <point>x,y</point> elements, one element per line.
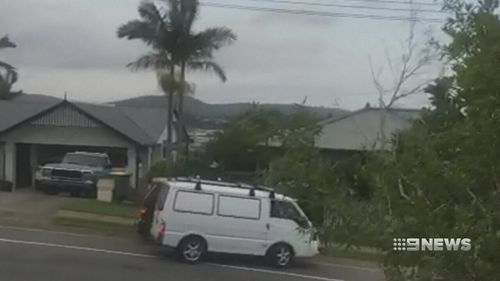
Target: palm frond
<point>201,46</point>
<point>208,66</point>
<point>137,29</point>
<point>7,66</point>
<point>174,14</point>
<point>216,37</point>
<point>9,74</point>
<point>154,60</point>
<point>152,14</point>
<point>189,9</point>
<point>11,77</point>
<point>6,43</point>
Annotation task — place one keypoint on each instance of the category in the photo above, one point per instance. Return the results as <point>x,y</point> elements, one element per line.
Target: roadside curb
<point>346,262</point>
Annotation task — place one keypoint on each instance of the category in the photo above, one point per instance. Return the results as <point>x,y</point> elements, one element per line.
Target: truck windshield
<point>87,160</point>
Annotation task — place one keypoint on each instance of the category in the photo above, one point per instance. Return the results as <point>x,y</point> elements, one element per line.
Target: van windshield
<point>289,210</point>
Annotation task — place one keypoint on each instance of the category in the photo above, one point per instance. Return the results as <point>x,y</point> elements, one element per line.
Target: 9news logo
<point>431,244</point>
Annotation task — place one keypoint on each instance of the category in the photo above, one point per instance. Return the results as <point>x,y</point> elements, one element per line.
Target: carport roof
<point>142,125</point>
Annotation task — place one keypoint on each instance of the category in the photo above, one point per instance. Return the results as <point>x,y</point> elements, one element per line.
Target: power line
<point>318,13</point>
<point>318,4</point>
<point>398,2</point>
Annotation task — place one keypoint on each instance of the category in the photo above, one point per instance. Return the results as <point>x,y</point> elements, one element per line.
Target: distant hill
<point>197,113</point>
<point>204,110</point>
<point>34,98</point>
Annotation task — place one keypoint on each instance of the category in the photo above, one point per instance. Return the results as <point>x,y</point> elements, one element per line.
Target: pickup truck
<point>77,174</point>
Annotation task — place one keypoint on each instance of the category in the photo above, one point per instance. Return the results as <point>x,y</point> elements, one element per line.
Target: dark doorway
<point>23,166</point>
<point>55,153</point>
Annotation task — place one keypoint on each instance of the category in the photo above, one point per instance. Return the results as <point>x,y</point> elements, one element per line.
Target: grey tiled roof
<point>399,113</point>
<point>115,118</point>
<point>152,120</point>
<point>12,113</point>
<point>142,125</point>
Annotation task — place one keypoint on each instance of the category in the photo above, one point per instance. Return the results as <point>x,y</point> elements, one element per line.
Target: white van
<point>197,217</point>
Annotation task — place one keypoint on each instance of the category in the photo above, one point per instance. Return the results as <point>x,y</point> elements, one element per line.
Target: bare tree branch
<point>411,62</point>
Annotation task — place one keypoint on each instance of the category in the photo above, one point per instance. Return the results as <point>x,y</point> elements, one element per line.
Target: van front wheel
<point>280,255</point>
<point>192,249</point>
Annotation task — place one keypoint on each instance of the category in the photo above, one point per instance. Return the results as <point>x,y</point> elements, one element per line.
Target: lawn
<point>354,254</point>
<point>95,226</point>
<point>101,208</point>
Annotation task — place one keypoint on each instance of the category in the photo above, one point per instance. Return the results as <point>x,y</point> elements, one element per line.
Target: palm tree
<point>167,28</point>
<point>8,73</point>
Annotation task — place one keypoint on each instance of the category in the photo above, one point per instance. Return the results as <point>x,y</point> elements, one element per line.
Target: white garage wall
<point>360,131</point>
<point>2,162</point>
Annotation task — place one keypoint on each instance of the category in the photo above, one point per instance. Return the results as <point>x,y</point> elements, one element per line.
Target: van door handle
<point>268,226</point>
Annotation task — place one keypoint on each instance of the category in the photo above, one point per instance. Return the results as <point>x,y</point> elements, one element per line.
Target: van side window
<point>238,207</point>
<point>284,210</point>
<point>162,196</point>
<point>194,202</point>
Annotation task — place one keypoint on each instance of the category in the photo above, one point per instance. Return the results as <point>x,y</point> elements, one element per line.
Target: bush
<point>164,169</point>
<point>190,168</point>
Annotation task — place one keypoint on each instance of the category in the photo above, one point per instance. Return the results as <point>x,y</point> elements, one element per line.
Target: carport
<point>39,133</point>
<point>29,156</point>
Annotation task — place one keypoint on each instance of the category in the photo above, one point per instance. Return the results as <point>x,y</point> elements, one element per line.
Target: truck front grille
<point>67,173</point>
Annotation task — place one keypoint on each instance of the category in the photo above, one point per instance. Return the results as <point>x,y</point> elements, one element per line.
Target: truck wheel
<point>280,255</point>
<point>51,190</point>
<point>192,249</point>
<point>74,193</point>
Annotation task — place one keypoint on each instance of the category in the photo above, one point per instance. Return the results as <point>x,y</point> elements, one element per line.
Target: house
<point>38,132</point>
<point>361,130</point>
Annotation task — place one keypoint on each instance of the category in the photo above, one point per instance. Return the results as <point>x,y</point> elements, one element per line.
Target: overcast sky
<point>71,46</point>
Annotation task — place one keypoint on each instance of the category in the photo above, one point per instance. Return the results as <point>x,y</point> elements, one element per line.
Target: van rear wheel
<point>192,249</point>
<point>280,255</point>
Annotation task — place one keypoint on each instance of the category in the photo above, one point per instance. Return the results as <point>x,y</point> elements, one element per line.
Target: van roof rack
<point>252,188</point>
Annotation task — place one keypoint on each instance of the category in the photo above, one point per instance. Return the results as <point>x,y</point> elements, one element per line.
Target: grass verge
<point>101,208</point>
<point>353,254</point>
<point>105,228</point>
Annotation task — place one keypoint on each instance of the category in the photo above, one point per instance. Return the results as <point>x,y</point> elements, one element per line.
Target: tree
<point>442,179</point>
<point>404,72</point>
<point>166,27</point>
<point>241,146</point>
<point>8,73</point>
<point>251,140</point>
<point>195,49</point>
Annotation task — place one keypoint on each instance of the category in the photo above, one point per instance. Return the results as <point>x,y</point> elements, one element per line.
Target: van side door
<point>241,225</point>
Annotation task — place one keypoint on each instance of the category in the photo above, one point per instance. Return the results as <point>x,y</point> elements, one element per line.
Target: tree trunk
<point>170,107</point>
<point>180,105</point>
<point>383,109</point>
<point>180,108</point>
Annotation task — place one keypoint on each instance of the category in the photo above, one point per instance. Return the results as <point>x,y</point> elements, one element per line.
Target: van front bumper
<point>309,249</point>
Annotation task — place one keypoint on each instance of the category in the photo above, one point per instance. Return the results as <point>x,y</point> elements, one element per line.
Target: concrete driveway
<point>26,207</point>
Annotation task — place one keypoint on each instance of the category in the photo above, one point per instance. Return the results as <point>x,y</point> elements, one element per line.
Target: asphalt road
<point>36,255</point>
